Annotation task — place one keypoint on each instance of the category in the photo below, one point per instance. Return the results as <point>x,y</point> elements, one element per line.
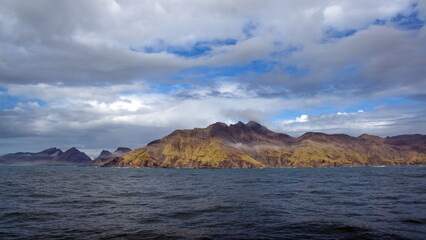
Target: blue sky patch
<point>8,102</point>
<point>168,88</point>
<point>333,33</point>
<point>408,22</point>
<point>287,52</point>
<point>197,49</point>
<point>248,29</point>
<point>295,71</point>
<point>212,73</point>
<point>380,22</point>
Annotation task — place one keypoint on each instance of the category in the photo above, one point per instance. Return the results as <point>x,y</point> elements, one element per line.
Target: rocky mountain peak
<point>239,124</point>
<point>105,153</point>
<point>218,127</point>
<point>73,149</point>
<point>253,124</point>
<point>73,155</point>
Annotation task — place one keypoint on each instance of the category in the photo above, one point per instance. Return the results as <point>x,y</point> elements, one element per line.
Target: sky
<point>101,74</point>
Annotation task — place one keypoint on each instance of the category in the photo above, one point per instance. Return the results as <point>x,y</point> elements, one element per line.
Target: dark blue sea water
<point>120,203</point>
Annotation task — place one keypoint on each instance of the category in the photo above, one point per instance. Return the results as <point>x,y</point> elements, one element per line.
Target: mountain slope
<point>252,145</point>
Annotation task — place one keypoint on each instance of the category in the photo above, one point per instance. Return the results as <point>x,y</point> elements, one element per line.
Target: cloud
<point>382,121</point>
<point>104,73</point>
<point>303,118</point>
<point>79,41</point>
<point>119,115</point>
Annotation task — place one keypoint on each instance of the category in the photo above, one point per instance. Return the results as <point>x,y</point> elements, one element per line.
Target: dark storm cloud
<point>62,41</point>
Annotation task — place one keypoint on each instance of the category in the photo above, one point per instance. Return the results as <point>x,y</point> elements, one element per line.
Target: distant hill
<point>252,145</point>
<point>51,156</point>
<point>106,155</point>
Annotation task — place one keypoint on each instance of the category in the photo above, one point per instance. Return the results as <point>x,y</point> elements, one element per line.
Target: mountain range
<point>252,145</point>
<point>55,156</point>
<point>51,156</point>
<point>242,145</point>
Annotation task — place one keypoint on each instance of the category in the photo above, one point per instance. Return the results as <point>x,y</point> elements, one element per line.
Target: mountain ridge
<point>253,145</point>
<point>50,156</point>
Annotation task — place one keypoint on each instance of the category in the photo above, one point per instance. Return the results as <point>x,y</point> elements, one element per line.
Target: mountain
<point>51,156</point>
<point>252,145</point>
<point>73,155</point>
<point>106,155</point>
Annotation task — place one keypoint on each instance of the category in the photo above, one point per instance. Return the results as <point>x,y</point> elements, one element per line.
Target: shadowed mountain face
<point>251,145</point>
<point>107,155</point>
<point>51,156</point>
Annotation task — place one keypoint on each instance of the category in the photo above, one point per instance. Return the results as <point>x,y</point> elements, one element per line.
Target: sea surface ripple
<point>124,203</point>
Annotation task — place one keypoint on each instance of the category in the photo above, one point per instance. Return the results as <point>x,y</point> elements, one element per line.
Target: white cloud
<point>84,41</point>
<point>333,15</point>
<point>359,14</point>
<point>381,121</point>
<point>301,119</point>
<point>77,59</point>
<point>49,92</point>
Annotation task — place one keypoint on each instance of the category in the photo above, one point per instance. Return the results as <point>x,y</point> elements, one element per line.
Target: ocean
<point>291,203</point>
